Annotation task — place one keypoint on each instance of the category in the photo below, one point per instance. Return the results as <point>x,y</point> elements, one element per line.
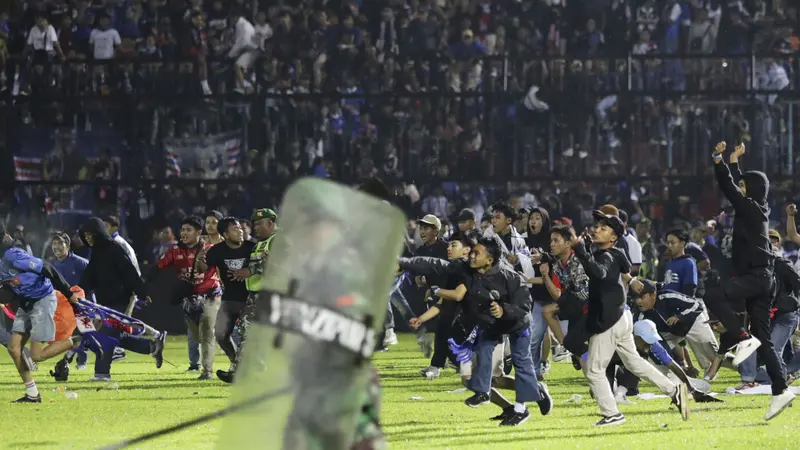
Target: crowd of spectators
<point>436,90</point>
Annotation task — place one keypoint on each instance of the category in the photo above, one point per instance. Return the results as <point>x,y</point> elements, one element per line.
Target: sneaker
<point>28,399</point>
<point>745,385</point>
<point>516,419</point>
<point>157,349</point>
<point>681,400</point>
<point>778,404</point>
<point>546,403</point>
<point>508,364</point>
<point>205,376</point>
<point>507,411</point>
<point>390,338</point>
<point>561,354</point>
<point>227,377</point>
<point>119,355</point>
<point>193,368</point>
<point>744,349</point>
<point>426,345</point>
<point>792,377</point>
<point>430,372</point>
<point>477,400</point>
<point>61,371</point>
<point>81,367</point>
<point>545,367</point>
<point>611,421</point>
<point>100,378</point>
<point>621,396</point>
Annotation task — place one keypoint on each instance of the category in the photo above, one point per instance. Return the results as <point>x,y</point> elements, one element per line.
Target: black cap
<point>465,215</point>
<point>613,221</point>
<point>650,287</point>
<point>215,213</point>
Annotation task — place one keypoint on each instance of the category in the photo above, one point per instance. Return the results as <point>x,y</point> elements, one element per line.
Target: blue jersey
<point>23,274</point>
<point>679,272</point>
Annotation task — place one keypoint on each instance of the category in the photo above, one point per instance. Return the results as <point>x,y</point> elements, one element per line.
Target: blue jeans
<point>782,328</point>
<point>538,331</point>
<point>527,387</point>
<point>194,350</point>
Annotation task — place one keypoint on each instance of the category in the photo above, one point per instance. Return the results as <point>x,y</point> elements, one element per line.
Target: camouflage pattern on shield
<point>325,288</point>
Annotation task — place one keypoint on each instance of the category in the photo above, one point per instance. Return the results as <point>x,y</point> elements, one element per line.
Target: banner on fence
<point>204,157</point>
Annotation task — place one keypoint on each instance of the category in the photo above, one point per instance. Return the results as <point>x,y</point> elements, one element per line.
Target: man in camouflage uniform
<point>369,435</point>
<point>264,228</point>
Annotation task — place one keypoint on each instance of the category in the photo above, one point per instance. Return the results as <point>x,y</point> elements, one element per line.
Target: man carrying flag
<point>113,278</point>
<point>264,228</point>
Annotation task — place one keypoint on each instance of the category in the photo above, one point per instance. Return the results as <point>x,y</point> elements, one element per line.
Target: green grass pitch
<point>147,399</point>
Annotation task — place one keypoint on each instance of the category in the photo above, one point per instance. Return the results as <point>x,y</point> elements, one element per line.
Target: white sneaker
<point>430,372</point>
<point>621,396</point>
<point>390,338</point>
<point>778,404</point>
<point>561,354</point>
<point>744,349</point>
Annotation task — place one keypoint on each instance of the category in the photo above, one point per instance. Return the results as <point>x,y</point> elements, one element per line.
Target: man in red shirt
<point>199,292</point>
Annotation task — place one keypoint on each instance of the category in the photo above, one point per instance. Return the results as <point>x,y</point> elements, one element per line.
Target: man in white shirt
<point>245,49</point>
<point>634,247</point>
<point>104,40</point>
<point>43,42</point>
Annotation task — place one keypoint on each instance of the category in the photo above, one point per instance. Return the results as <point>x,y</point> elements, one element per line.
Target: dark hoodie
<point>110,273</point>
<point>539,240</point>
<point>751,249</point>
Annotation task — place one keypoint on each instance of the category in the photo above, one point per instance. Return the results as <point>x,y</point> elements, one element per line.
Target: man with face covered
<point>113,278</point>
<point>230,258</point>
<point>754,264</point>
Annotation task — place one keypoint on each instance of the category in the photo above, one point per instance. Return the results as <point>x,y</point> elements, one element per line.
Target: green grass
<point>148,399</point>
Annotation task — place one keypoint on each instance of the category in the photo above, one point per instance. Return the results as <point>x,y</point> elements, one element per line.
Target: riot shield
<point>325,285</point>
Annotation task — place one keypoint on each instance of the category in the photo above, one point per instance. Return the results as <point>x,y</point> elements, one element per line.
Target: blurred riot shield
<point>326,282</point>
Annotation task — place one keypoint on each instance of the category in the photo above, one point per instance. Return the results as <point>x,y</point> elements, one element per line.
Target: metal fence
<point>429,118</point>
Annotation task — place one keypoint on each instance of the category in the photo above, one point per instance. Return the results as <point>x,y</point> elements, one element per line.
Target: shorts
<point>246,59</point>
<point>498,354</point>
<point>39,320</point>
<point>64,318</point>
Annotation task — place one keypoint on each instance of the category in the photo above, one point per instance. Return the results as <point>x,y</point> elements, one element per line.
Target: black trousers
<point>617,371</point>
<point>443,332</point>
<point>756,291</point>
<point>577,337</point>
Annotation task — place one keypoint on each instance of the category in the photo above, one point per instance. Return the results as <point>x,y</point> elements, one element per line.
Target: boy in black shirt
<point>753,262</point>
<point>230,257</point>
<point>610,322</point>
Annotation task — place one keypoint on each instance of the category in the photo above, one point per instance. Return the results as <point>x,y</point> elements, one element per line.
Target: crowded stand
<point>535,137</point>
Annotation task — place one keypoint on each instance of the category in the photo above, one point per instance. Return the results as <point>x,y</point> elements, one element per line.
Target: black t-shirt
<point>226,259</point>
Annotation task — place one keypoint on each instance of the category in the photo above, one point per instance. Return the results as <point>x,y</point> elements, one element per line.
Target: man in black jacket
<point>500,303</point>
<point>753,262</point>
<point>784,309</point>
<point>113,279</point>
<point>610,322</point>
<point>435,247</point>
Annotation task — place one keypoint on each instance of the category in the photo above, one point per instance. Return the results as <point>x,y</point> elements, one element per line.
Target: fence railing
<point>428,118</point>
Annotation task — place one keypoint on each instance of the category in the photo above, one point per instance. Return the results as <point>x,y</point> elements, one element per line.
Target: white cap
<point>431,220</point>
<point>646,330</point>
